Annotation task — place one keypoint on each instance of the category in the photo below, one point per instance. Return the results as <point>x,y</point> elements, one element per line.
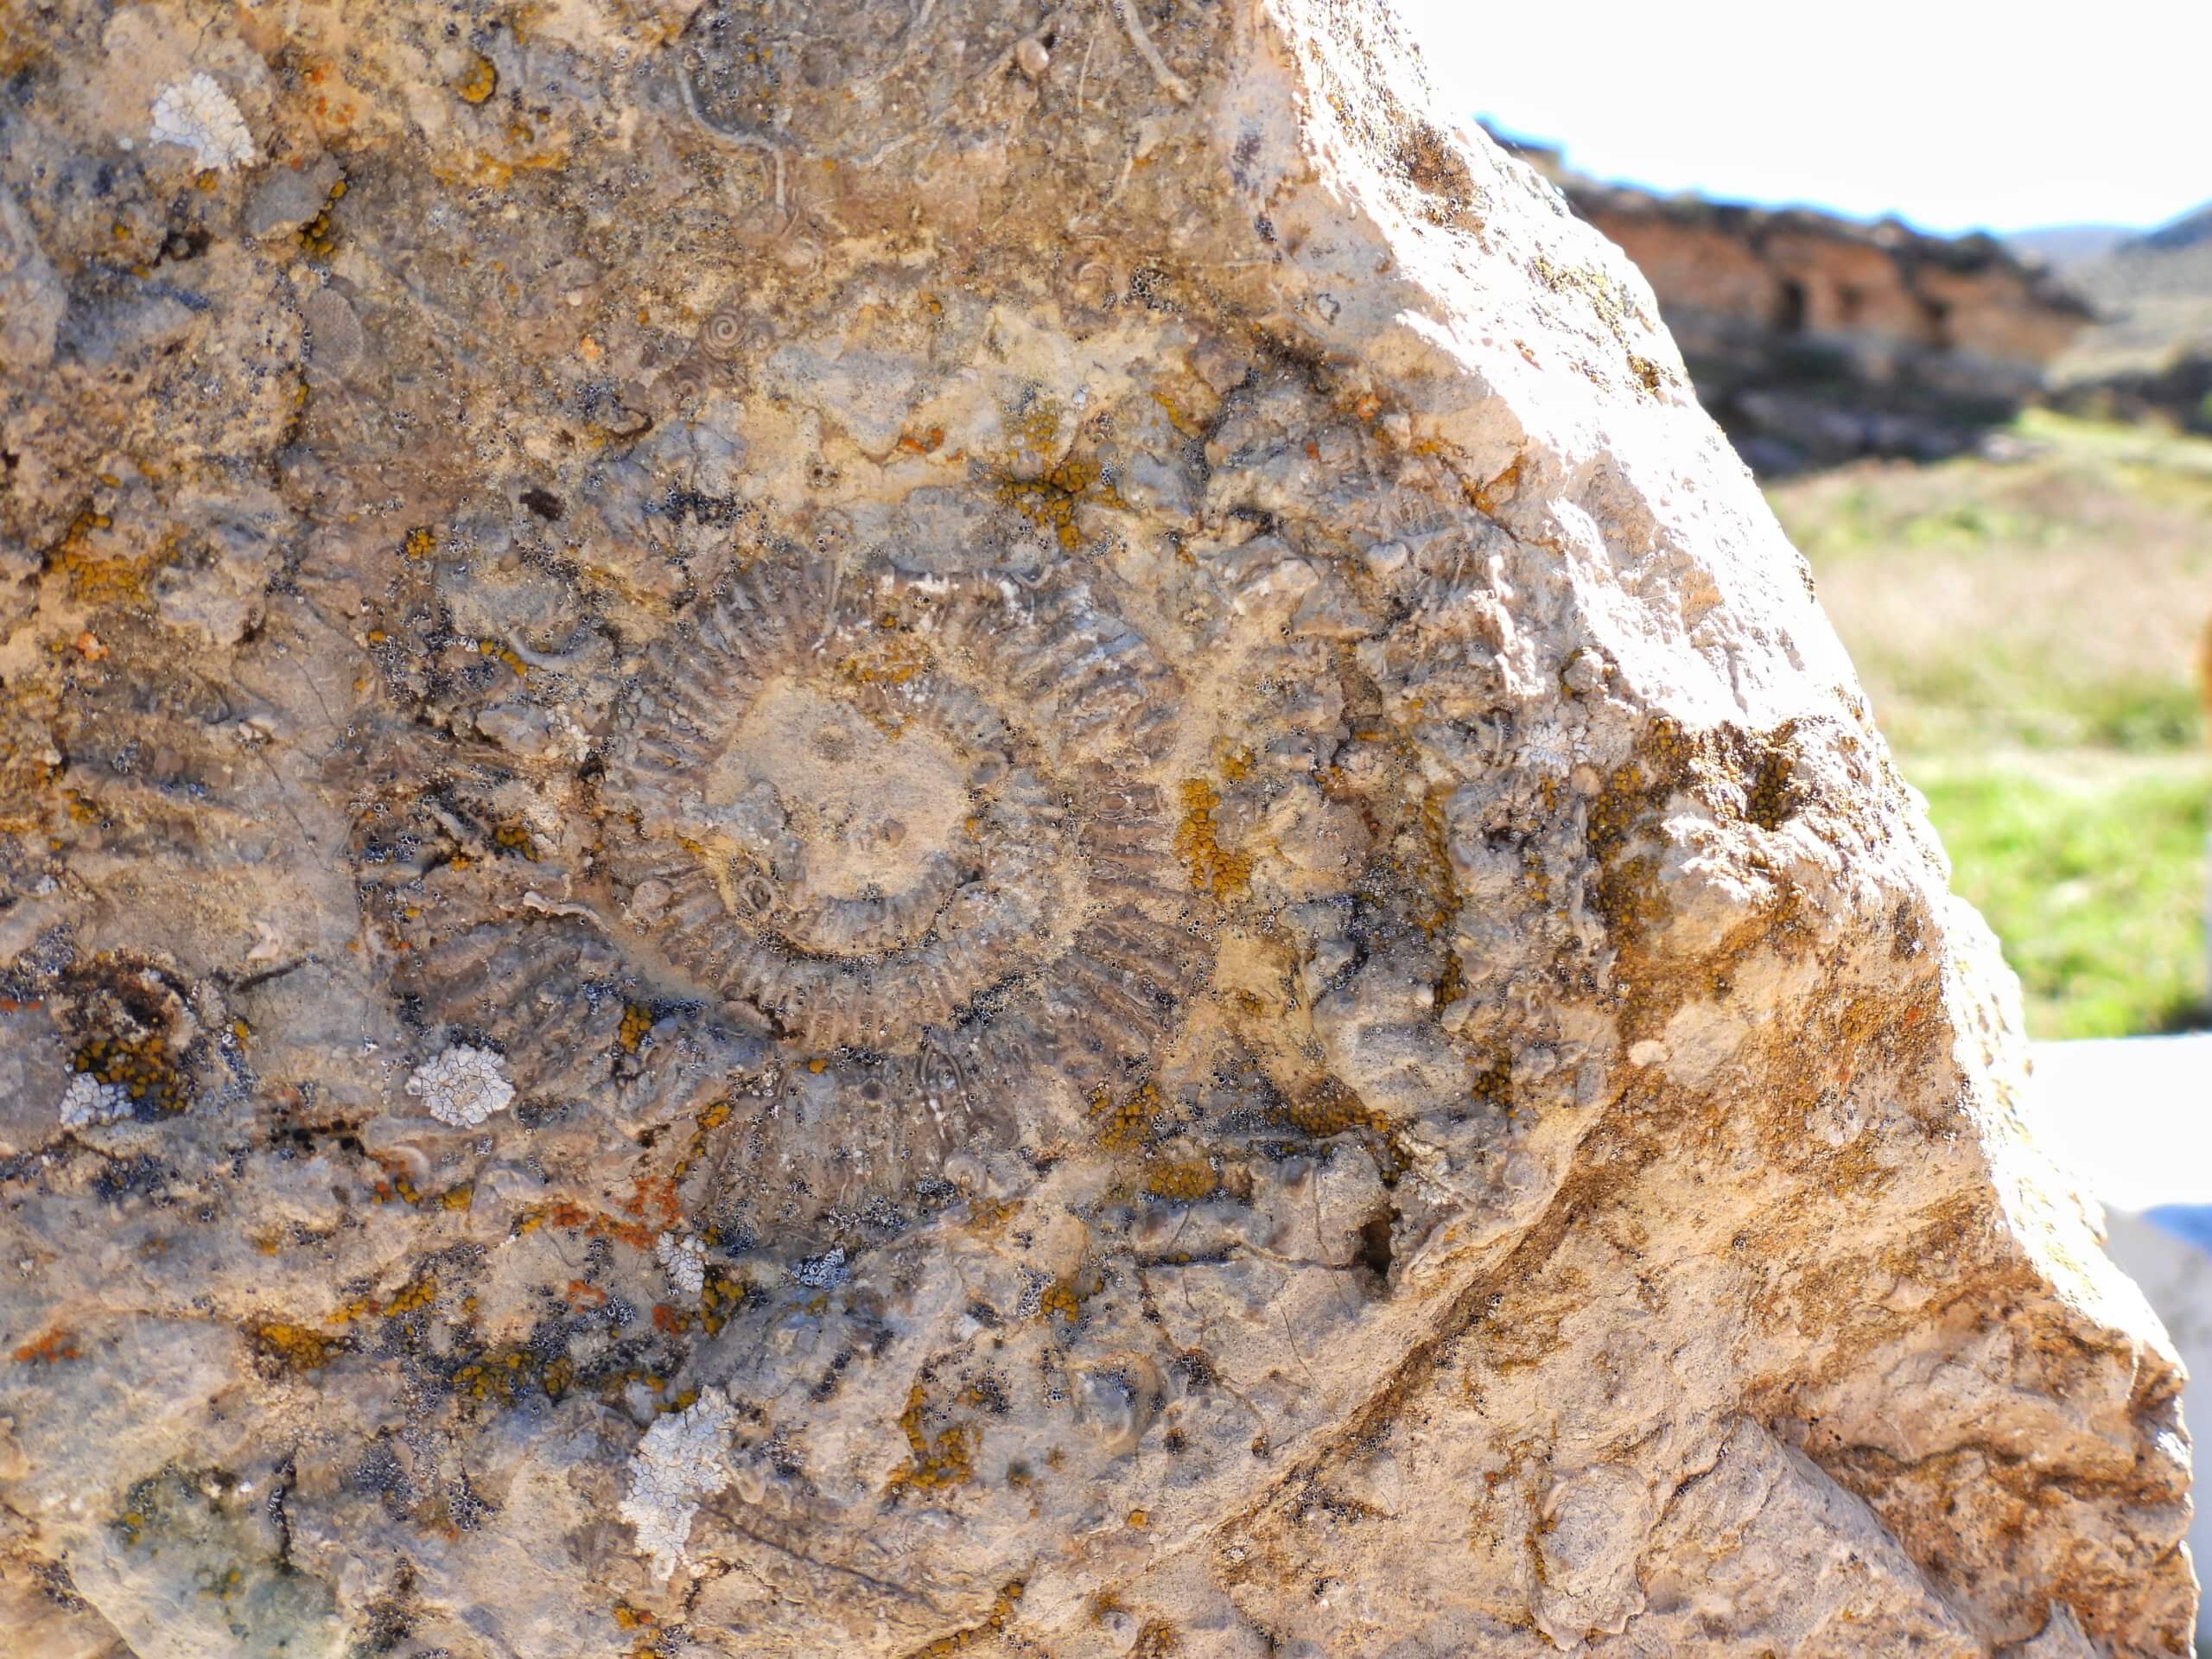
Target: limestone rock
<point>1133,903</point>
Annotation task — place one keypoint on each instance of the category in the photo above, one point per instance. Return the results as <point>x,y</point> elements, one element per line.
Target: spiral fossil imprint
<point>906,815</point>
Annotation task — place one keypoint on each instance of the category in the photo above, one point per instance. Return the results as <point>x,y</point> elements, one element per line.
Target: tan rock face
<point>1815,338</point>
<point>867,830</point>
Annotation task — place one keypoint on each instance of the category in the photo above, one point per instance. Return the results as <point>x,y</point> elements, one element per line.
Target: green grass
<point>2029,632</point>
<point>2092,876</point>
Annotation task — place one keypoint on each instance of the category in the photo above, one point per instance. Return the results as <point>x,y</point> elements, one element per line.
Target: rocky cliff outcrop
<point>1814,338</point>
<point>938,831</point>
<point>2150,353</point>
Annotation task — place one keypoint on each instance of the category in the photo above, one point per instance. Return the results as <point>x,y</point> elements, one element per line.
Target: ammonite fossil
<point>790,79</point>
<point>911,823</point>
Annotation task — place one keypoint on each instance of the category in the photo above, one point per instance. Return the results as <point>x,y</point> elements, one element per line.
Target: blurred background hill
<point>1997,454</point>
<point>2148,352</point>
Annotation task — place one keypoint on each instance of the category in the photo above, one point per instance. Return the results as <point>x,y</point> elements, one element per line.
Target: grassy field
<point>2030,631</point>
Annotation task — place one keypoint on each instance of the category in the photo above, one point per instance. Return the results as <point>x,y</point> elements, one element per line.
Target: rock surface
<point>972,829</point>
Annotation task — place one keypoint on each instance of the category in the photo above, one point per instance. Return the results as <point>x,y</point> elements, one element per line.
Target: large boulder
<point>957,828</point>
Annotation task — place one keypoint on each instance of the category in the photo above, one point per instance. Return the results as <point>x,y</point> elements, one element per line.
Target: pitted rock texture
<point>960,828</point>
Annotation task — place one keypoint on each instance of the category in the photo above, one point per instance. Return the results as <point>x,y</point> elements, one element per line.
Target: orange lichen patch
<point>580,1294</point>
<point>893,658</point>
<point>632,1619</point>
<point>656,1196</point>
<point>1156,1641</point>
<point>715,1115</point>
<point>1001,1615</point>
<point>29,763</point>
<point>1062,1300</point>
<point>1050,502</point>
<point>670,1321</point>
<point>399,1185</point>
<point>1487,497</point>
<point>723,1295</point>
<point>1214,868</point>
<point>89,646</point>
<point>96,577</point>
<point>514,840</point>
<point>922,443</point>
<point>947,1460</point>
<point>1180,1181</point>
<point>1329,1107</point>
<point>574,1218</point>
<point>354,1308</point>
<point>318,236</point>
<point>480,80</point>
<point>1182,420</point>
<point>1128,1121</point>
<point>457,1197</point>
<point>142,1067</point>
<point>417,1293</point>
<point>420,543</point>
<point>637,1020</point>
<point>56,1346</point>
<point>294,1347</point>
<point>480,169</point>
<point>499,1375</point>
<point>500,652</point>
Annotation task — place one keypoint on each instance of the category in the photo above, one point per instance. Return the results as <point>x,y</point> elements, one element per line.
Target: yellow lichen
<point>1001,1615</point>
<point>142,1066</point>
<point>946,1460</point>
<point>1128,1121</point>
<point>1214,868</point>
<point>481,81</point>
<point>1180,1181</point>
<point>1063,1300</point>
<point>294,1347</point>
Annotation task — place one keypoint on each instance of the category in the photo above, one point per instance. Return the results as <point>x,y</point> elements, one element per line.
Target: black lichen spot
<point>546,504</point>
<point>141,1175</point>
<point>379,1473</point>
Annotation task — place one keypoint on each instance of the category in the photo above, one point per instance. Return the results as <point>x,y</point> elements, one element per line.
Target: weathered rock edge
<point>1491,1137</point>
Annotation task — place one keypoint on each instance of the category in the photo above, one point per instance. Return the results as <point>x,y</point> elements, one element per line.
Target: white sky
<point>1954,116</point>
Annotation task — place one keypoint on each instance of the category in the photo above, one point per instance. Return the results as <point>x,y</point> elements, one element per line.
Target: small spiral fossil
<point>687,377</point>
<point>723,334</point>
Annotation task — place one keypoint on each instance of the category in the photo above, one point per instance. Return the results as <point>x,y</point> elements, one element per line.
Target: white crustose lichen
<point>684,1260</point>
<point>681,1460</point>
<point>462,1086</point>
<point>200,116</point>
<point>87,1101</point>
